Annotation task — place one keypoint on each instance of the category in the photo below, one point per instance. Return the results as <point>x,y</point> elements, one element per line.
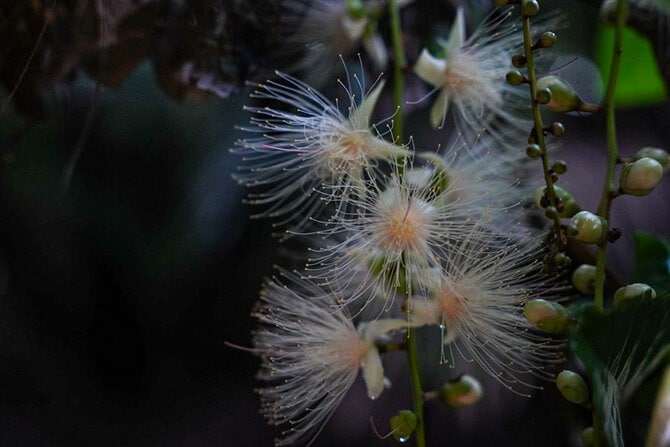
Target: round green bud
<point>563,97</point>
<point>546,40</point>
<point>550,212</point>
<point>548,316</point>
<point>557,129</point>
<point>588,228</point>
<point>560,167</point>
<point>519,60</point>
<point>356,9</point>
<point>461,392</point>
<point>572,387</point>
<point>403,425</point>
<point>640,177</point>
<point>530,7</point>
<point>587,437</point>
<point>636,291</point>
<point>533,151</point>
<point>584,278</point>
<point>657,154</point>
<point>567,206</point>
<point>515,77</point>
<point>562,260</point>
<point>543,96</point>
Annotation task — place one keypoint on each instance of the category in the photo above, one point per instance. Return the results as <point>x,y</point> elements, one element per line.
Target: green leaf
<point>652,261</point>
<point>619,349</point>
<point>639,81</point>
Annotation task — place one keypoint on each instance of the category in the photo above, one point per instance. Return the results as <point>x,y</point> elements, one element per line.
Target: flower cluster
<point>399,238</point>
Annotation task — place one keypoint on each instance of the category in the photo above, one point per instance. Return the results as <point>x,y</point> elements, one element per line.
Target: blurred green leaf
<point>640,81</point>
<point>619,349</point>
<point>652,261</point>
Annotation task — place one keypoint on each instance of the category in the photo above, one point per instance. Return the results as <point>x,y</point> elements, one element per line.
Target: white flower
<point>397,229</point>
<point>478,300</point>
<point>470,78</point>
<point>313,146</point>
<point>326,30</point>
<point>311,354</point>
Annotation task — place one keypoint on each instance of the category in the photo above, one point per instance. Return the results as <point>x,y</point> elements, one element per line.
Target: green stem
<point>538,125</point>
<point>609,188</point>
<point>417,392</point>
<point>398,66</point>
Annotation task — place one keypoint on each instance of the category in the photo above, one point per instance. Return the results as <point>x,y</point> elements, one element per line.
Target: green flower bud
<point>403,425</point>
<point>519,60</point>
<point>546,40</point>
<point>587,437</point>
<point>462,392</point>
<point>634,291</point>
<point>583,278</point>
<point>572,387</point>
<point>557,129</point>
<point>657,154</point>
<point>533,151</point>
<point>547,316</point>
<point>543,96</point>
<point>588,228</point>
<point>530,7</point>
<point>515,77</point>
<point>568,205</point>
<point>563,97</point>
<point>356,9</point>
<point>560,167</point>
<point>608,12</point>
<point>640,177</point>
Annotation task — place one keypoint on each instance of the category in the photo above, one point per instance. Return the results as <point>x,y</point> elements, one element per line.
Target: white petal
<point>360,118</point>
<point>457,34</point>
<point>353,28</point>
<point>430,69</point>
<point>374,330</point>
<point>373,374</point>
<point>439,110</point>
<point>376,48</point>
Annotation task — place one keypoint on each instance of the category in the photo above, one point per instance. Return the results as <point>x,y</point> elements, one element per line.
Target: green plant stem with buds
<point>537,120</point>
<point>398,91</point>
<point>610,187</point>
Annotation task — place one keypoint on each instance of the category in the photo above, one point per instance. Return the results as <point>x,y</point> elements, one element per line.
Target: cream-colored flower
<point>311,353</point>
<point>469,78</point>
<point>302,153</point>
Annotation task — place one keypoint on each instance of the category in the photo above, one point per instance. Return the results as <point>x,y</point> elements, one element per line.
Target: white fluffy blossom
<point>304,151</point>
<point>469,77</point>
<point>311,354</point>
<point>477,298</point>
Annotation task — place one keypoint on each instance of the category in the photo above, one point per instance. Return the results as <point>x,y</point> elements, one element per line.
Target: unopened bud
<point>403,425</point>
<point>572,387</point>
<point>568,205</point>
<point>583,279</point>
<point>588,228</point>
<point>356,9</point>
<point>547,316</point>
<point>462,392</point>
<point>546,40</point>
<point>587,437</point>
<point>636,291</point>
<point>530,7</point>
<point>515,77</point>
<point>657,154</point>
<point>640,177</point>
<point>563,97</point>
<point>519,60</point>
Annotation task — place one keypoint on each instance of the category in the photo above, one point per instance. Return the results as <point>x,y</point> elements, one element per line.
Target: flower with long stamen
<point>477,298</point>
<point>303,152</point>
<point>311,353</point>
<point>398,230</point>
<point>323,31</point>
<point>469,77</point>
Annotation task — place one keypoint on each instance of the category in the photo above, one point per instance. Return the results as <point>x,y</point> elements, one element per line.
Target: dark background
<point>120,287</point>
